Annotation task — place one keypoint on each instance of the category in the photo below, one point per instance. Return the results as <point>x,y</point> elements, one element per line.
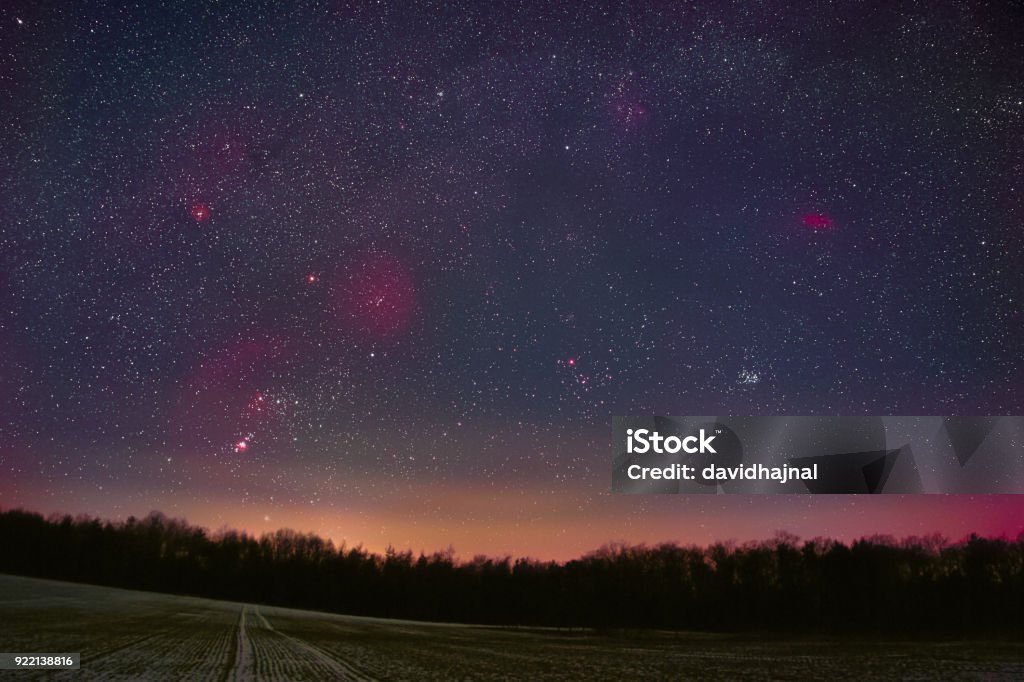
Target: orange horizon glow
<point>548,525</point>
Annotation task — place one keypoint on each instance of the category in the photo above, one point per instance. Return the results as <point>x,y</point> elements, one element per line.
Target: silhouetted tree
<point>875,584</point>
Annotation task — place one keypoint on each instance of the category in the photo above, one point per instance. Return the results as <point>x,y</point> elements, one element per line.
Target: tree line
<point>875,584</point>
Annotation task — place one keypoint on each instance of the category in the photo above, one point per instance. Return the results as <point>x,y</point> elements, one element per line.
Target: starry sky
<point>384,272</point>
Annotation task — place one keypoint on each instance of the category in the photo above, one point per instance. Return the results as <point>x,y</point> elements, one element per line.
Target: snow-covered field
<point>140,636</point>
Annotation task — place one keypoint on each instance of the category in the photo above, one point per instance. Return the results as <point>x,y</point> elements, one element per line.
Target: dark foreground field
<point>123,634</point>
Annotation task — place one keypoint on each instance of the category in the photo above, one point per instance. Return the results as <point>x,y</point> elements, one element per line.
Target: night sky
<point>386,273</point>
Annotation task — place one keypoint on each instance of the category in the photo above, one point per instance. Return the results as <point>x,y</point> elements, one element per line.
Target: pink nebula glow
<point>817,221</point>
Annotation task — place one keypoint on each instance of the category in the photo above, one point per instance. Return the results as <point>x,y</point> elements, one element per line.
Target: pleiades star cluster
<point>385,271</point>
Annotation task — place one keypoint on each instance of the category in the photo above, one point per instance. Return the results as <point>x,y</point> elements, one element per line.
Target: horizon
<point>999,524</point>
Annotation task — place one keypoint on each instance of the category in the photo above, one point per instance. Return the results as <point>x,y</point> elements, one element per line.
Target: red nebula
<point>200,212</point>
<point>817,221</point>
<point>377,296</point>
<point>241,446</point>
<point>572,361</point>
<point>220,395</point>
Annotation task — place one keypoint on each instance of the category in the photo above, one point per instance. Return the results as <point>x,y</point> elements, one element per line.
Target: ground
<point>129,635</point>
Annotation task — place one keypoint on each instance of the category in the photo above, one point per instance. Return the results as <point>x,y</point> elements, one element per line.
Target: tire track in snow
<point>241,665</point>
<point>339,668</point>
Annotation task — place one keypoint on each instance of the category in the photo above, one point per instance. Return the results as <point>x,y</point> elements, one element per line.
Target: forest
<point>873,585</point>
